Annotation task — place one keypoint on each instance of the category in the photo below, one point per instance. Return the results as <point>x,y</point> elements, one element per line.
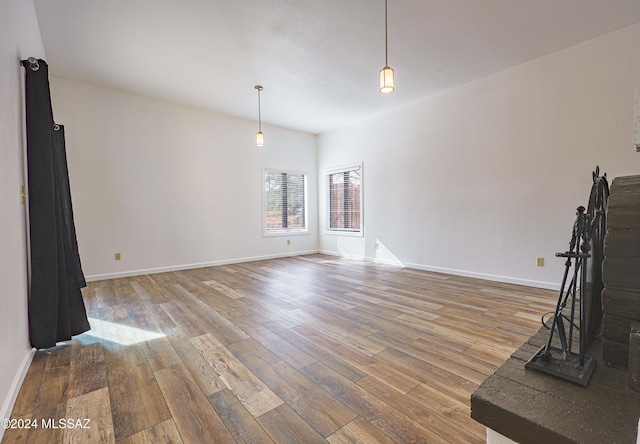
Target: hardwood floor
<point>297,350</point>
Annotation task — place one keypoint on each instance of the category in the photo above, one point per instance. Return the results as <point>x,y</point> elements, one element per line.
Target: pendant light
<point>259,135</point>
<point>386,73</point>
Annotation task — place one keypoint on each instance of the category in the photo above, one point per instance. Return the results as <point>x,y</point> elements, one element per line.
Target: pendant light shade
<point>386,80</point>
<point>259,135</point>
<point>386,73</point>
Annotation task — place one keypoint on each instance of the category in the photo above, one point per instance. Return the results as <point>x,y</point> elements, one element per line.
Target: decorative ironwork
<point>583,266</point>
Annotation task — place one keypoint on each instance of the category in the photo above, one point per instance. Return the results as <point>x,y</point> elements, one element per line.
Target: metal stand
<point>563,362</point>
<point>586,251</point>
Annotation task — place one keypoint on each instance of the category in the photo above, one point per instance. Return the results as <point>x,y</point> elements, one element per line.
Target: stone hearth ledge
<point>528,406</point>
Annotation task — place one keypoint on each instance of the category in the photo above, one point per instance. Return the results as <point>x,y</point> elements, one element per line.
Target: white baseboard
<point>488,277</point>
<point>121,274</point>
<point>456,272</point>
<point>453,271</point>
<point>10,400</point>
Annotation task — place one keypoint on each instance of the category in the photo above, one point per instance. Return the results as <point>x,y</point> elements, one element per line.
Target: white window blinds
<point>284,202</point>
<point>345,199</point>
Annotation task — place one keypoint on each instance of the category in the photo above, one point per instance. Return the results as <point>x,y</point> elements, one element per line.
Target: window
<point>344,192</point>
<point>285,202</point>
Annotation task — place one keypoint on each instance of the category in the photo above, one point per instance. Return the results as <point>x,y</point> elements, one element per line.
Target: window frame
<point>343,169</point>
<point>269,232</point>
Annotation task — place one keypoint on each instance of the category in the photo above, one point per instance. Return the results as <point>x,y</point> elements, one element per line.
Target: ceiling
<point>318,60</point>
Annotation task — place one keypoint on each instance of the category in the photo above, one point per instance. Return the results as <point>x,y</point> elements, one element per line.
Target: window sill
<point>345,233</point>
<point>285,233</point>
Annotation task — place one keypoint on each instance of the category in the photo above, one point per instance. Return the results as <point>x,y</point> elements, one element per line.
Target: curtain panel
<point>56,307</point>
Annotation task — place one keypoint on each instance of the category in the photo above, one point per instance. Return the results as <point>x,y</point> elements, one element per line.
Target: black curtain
<point>56,308</point>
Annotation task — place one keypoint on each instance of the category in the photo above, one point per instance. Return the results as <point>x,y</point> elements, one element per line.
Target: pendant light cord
<point>259,114</point>
<point>386,39</point>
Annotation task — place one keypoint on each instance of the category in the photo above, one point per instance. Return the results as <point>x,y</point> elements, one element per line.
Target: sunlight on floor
<point>120,334</point>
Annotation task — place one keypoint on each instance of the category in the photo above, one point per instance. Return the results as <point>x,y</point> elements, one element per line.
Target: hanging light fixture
<point>386,73</point>
<point>259,135</point>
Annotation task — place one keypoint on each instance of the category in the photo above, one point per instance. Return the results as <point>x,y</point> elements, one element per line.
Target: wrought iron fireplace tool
<point>584,264</point>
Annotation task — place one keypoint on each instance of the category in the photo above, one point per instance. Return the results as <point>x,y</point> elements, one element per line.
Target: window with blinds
<point>344,192</point>
<point>285,202</point>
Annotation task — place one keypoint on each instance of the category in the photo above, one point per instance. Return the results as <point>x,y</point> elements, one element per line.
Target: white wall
<point>19,39</point>
<point>483,179</point>
<point>170,186</point>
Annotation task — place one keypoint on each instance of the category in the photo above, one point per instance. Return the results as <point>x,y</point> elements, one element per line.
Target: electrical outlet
<point>540,262</point>
<point>23,197</point>
<point>288,241</point>
<point>118,256</point>
<point>376,245</point>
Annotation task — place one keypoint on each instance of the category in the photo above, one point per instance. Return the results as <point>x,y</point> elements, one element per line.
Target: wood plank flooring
<point>309,349</point>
